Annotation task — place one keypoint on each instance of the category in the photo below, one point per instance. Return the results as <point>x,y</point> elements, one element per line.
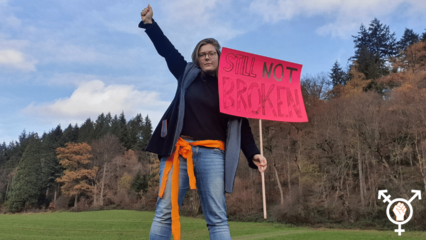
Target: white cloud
<point>12,58</point>
<point>93,98</point>
<point>346,15</point>
<point>13,55</point>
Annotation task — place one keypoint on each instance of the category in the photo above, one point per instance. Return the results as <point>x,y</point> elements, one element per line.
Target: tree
<point>423,37</point>
<point>115,126</point>
<point>86,131</point>
<point>104,151</point>
<point>7,179</point>
<point>3,150</point>
<point>136,126</point>
<point>146,133</point>
<point>337,75</point>
<point>373,46</point>
<point>412,59</point>
<point>371,65</point>
<point>70,134</point>
<point>377,39</point>
<point>140,183</point>
<point>77,178</point>
<point>314,87</point>
<point>409,38</point>
<point>17,149</point>
<point>124,132</point>
<point>26,184</point>
<point>102,126</point>
<point>125,182</point>
<point>51,169</point>
<point>357,84</point>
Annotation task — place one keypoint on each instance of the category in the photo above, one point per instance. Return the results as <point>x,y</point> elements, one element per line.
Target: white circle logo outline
<point>407,203</point>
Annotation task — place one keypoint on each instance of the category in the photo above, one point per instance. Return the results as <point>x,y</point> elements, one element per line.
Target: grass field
<point>121,224</point>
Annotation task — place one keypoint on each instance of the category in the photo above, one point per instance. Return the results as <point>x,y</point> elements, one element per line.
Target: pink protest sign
<point>255,86</point>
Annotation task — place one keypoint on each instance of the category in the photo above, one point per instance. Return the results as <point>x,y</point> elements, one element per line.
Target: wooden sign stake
<point>262,174</point>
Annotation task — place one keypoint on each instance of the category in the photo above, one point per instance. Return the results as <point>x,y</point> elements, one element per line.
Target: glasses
<point>204,55</point>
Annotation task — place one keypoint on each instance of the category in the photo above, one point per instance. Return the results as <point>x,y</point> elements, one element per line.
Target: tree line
<point>35,171</point>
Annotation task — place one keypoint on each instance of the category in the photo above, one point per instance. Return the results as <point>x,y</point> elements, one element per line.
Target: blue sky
<point>64,61</point>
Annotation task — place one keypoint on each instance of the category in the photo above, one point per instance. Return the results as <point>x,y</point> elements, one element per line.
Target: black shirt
<point>203,119</point>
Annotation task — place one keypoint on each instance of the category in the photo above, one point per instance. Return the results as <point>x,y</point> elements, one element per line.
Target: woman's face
<point>208,59</point>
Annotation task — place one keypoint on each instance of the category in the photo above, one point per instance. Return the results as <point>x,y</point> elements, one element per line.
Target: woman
<point>198,146</point>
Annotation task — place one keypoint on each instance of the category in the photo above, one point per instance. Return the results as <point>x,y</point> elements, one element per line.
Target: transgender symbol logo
<point>399,209</point>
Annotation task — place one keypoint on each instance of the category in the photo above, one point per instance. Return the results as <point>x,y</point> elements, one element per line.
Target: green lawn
<point>120,224</point>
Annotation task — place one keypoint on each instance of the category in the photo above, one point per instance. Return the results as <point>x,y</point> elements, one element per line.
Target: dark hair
<point>203,42</point>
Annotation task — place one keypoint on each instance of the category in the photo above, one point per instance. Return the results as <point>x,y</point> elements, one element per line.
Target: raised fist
<point>147,14</point>
<point>399,211</point>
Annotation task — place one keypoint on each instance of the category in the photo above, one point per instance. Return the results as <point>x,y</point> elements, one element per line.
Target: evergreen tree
<point>337,75</point>
<point>409,37</point>
<point>51,169</point>
<point>140,183</point>
<point>3,151</point>
<point>100,127</point>
<point>146,133</point>
<point>377,39</point>
<point>115,126</point>
<point>70,134</point>
<point>423,37</point>
<point>25,190</point>
<point>373,46</point>
<point>56,135</point>
<point>75,133</point>
<point>86,131</point>
<point>122,119</point>
<point>20,147</point>
<point>136,126</point>
<point>370,64</point>
<point>12,155</point>
<point>124,137</point>
<point>124,132</point>
<point>107,126</point>
<point>67,134</point>
<point>16,149</point>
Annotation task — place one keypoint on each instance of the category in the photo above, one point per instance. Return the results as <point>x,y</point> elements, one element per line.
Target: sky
<point>64,61</point>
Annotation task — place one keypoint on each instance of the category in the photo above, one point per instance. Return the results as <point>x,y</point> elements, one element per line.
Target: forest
<point>366,132</point>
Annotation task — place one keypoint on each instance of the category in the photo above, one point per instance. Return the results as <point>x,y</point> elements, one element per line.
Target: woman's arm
<point>250,150</point>
<point>175,60</point>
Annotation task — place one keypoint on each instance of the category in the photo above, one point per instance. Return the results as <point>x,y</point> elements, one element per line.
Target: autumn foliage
<point>77,178</point>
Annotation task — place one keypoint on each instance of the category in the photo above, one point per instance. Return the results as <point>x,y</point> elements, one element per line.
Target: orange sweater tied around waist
<point>183,148</point>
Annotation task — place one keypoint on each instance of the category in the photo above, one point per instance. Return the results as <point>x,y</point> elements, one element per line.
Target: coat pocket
<point>164,128</point>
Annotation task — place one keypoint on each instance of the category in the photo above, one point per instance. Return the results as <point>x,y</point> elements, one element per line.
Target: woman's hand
<point>147,14</point>
<point>260,162</point>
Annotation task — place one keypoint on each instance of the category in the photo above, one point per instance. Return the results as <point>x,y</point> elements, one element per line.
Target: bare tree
<point>104,151</point>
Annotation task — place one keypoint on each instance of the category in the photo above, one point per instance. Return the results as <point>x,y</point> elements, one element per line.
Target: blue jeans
<point>209,170</point>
